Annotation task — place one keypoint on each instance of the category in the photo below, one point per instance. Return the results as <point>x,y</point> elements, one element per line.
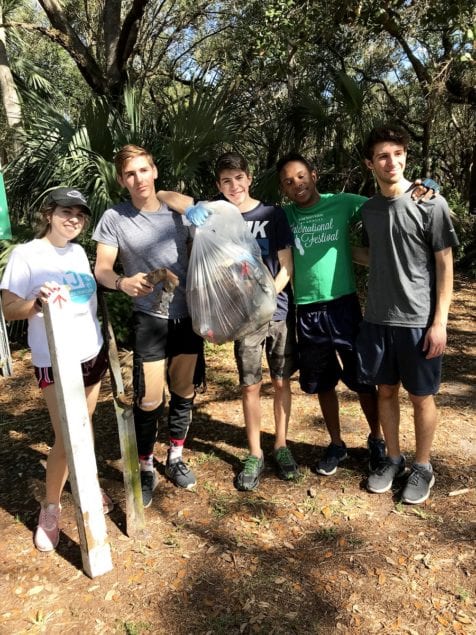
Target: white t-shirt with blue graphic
<point>34,263</point>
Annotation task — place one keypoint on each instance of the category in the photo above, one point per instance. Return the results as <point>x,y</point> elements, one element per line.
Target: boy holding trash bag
<point>270,228</point>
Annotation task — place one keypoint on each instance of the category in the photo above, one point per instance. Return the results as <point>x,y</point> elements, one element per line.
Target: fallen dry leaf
<point>463,618</point>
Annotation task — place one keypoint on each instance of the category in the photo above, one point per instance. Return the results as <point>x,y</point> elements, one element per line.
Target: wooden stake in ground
<point>5,355</point>
<point>64,345</point>
<point>135,521</point>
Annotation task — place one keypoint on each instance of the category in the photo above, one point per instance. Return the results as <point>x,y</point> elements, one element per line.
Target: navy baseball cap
<point>67,197</point>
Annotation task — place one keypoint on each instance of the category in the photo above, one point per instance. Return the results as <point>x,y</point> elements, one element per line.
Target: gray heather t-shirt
<point>403,237</point>
<point>148,241</point>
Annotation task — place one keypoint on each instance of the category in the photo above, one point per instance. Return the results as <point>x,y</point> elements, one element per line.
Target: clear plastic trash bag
<point>230,291</point>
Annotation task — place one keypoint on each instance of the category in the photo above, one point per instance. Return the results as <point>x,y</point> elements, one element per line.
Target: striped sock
<point>146,462</point>
<point>175,452</point>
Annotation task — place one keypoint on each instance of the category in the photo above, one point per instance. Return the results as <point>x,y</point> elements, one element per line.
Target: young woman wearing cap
<point>33,272</point>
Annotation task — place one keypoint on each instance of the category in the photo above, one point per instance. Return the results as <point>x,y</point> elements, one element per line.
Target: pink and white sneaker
<point>47,533</point>
<point>107,504</point>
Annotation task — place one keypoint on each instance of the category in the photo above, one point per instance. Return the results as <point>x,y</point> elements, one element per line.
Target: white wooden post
<point>135,520</point>
<point>64,344</point>
<point>5,355</point>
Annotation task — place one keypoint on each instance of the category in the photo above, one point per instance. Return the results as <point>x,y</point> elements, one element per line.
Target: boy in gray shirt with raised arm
<point>144,235</point>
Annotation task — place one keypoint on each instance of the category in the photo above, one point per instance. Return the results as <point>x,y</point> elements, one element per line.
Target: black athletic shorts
<point>158,338</point>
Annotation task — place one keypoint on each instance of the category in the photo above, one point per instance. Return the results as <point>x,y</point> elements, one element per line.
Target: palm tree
<point>182,137</point>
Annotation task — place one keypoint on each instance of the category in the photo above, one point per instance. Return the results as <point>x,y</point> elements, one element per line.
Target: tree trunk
<point>119,43</point>
<point>472,185</point>
<point>10,96</point>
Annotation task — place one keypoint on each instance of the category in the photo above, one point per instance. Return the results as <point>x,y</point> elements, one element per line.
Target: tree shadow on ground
<point>304,583</point>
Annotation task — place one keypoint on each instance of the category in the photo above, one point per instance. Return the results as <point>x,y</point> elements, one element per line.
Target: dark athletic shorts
<point>158,338</point>
<point>93,371</point>
<point>279,340</point>
<point>326,345</point>
<point>390,354</point>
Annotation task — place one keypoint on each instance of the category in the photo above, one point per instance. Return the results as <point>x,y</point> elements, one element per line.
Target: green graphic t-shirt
<point>322,253</point>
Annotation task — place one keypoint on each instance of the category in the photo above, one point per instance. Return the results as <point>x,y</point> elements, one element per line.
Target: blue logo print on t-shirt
<point>81,286</point>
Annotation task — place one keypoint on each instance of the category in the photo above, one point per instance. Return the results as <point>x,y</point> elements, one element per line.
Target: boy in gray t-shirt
<point>403,335</point>
<point>144,236</point>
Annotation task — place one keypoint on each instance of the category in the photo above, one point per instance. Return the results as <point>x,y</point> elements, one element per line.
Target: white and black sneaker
<point>333,455</point>
<point>377,452</point>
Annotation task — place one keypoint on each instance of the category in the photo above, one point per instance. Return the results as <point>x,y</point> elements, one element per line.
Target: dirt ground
<point>318,556</point>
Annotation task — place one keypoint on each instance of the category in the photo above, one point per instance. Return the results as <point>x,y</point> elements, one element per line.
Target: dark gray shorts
<point>279,341</point>
<point>393,354</point>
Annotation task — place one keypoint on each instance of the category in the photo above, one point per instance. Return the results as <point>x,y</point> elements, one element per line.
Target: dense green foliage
<point>191,79</point>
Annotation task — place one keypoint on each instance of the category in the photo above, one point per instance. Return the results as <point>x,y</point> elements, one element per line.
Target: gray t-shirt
<point>148,241</point>
<point>403,237</point>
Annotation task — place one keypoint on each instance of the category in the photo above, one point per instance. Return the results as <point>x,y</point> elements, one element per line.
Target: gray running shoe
<point>148,482</point>
<point>381,480</point>
<point>180,474</point>
<point>418,485</point>
<point>248,478</point>
<point>286,466</point>
<point>376,451</point>
<point>333,456</point>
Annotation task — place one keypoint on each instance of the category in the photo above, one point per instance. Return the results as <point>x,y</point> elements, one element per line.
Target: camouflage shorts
<point>279,341</point>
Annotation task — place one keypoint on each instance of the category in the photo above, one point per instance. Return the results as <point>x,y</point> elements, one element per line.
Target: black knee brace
<point>180,416</point>
<point>145,423</point>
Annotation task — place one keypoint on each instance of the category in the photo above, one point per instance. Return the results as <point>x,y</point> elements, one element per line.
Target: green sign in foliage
<point>5,229</point>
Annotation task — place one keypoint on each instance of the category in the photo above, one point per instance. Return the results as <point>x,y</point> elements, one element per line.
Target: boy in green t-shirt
<point>328,310</point>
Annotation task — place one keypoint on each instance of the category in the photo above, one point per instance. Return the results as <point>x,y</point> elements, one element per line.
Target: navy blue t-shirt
<point>269,226</point>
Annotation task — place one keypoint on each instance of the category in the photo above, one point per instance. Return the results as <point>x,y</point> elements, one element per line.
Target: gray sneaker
<point>249,477</point>
<point>377,452</point>
<point>381,479</point>
<point>180,474</point>
<point>418,486</point>
<point>148,482</point>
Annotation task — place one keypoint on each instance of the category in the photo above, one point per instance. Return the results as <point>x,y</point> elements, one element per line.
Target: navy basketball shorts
<point>326,334</point>
<point>393,354</point>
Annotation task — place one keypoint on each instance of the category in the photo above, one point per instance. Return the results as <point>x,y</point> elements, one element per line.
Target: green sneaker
<point>248,478</point>
<point>286,466</point>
